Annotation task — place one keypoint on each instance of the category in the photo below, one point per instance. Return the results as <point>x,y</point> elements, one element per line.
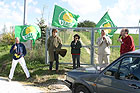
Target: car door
<point>132,78</point>
<point>107,83</point>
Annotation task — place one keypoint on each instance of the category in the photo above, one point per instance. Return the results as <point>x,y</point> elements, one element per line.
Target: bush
<point>8,38</point>
<point>37,53</point>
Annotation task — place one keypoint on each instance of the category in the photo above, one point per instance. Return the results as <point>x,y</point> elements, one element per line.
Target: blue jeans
<point>74,58</point>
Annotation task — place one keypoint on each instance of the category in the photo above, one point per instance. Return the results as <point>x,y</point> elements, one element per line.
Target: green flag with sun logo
<point>63,18</point>
<point>27,32</point>
<point>106,21</point>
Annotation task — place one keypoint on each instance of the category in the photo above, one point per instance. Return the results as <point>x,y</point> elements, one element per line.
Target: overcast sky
<point>122,12</point>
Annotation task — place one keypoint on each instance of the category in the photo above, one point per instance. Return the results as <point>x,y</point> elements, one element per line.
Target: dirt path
<point>59,87</point>
<point>16,87</point>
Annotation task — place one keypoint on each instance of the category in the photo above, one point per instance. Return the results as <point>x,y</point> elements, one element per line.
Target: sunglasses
<point>76,38</point>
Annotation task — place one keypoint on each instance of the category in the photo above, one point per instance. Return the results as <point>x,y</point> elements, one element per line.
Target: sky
<point>124,13</point>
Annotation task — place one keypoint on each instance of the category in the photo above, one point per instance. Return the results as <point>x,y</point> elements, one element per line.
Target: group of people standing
<point>104,42</point>
<point>54,43</point>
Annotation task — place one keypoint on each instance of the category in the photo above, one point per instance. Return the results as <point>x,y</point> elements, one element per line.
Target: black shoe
<point>9,80</point>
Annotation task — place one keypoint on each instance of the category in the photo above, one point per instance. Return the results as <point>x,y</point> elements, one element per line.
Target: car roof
<point>133,52</point>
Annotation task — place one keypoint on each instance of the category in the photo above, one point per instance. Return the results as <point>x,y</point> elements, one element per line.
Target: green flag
<point>64,18</point>
<point>27,32</point>
<point>106,22</point>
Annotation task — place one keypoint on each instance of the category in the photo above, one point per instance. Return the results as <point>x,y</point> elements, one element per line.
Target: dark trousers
<point>74,58</point>
<point>56,57</point>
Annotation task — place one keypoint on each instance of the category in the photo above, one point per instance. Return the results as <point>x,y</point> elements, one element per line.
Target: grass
<point>114,38</point>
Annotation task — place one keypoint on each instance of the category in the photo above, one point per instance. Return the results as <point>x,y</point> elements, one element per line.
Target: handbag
<point>62,52</point>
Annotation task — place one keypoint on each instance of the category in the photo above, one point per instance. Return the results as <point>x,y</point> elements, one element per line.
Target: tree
<point>5,30</point>
<point>86,23</point>
<point>43,27</point>
<point>8,38</point>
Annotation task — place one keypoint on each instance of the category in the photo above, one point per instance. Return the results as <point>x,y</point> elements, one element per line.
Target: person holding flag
<point>103,43</point>
<point>19,51</point>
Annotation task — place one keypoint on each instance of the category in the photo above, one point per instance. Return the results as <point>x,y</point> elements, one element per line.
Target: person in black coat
<point>75,51</point>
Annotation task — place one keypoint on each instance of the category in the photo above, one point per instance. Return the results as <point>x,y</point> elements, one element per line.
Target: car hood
<point>86,70</point>
<point>83,71</point>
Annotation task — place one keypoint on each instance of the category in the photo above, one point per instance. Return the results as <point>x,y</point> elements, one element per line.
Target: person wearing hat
<point>75,51</point>
<point>103,43</point>
<point>54,43</point>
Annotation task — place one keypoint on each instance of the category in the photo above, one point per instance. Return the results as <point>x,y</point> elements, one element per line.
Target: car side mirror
<point>118,76</point>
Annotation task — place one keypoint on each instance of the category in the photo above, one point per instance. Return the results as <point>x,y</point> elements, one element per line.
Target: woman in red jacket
<point>127,42</point>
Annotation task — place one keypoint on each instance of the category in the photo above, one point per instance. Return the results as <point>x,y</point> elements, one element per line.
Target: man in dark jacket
<point>19,51</point>
<point>75,50</point>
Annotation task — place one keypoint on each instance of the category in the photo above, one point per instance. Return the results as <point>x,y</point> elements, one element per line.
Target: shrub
<point>8,38</point>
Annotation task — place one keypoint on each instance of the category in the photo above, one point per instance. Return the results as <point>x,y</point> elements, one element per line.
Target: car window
<point>113,69</point>
<point>130,68</point>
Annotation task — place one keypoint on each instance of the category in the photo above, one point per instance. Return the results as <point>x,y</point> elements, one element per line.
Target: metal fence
<point>91,46</point>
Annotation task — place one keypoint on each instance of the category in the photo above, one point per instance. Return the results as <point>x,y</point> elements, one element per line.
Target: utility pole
<point>43,11</point>
<point>139,22</point>
<point>24,17</point>
<point>138,26</point>
<point>28,44</point>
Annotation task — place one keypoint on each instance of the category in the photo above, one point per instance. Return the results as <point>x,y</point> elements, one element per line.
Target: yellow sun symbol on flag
<point>30,29</point>
<point>107,25</point>
<point>68,17</point>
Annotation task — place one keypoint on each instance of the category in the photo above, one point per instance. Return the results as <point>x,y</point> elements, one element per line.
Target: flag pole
<point>103,15</point>
<point>107,10</point>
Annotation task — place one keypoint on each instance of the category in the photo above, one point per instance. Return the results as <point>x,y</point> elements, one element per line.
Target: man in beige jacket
<point>54,43</point>
<point>103,43</point>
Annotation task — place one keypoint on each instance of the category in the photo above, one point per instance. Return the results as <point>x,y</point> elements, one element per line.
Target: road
<point>16,87</point>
